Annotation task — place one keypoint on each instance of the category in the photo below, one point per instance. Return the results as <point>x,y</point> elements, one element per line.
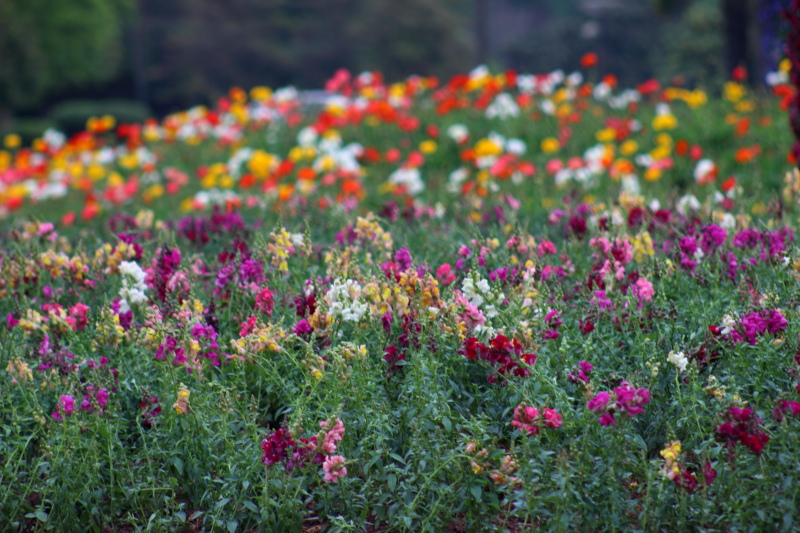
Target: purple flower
<point>713,238</point>
<point>607,420</point>
<point>303,328</point>
<point>403,258</point>
<point>66,404</point>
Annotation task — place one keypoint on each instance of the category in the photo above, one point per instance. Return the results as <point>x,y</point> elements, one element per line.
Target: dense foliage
<point>497,302</point>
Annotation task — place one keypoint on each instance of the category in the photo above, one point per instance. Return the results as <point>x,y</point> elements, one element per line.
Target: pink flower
<point>334,468</point>
<point>332,436</point>
<point>599,403</point>
<point>67,404</point>
<point>546,248</point>
<point>631,400</point>
<point>444,275</point>
<point>552,418</point>
<point>79,312</point>
<point>607,420</point>
<point>265,302</point>
<point>645,290</point>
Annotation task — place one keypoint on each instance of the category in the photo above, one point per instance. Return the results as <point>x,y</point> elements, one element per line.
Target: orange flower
<point>589,60</point>
<point>743,127</point>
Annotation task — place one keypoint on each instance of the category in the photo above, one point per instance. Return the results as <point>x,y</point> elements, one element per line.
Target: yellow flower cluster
<point>670,454</point>
<point>642,246</point>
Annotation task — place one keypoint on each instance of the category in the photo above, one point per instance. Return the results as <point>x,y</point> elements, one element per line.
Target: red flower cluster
<point>504,353</point>
<point>741,424</point>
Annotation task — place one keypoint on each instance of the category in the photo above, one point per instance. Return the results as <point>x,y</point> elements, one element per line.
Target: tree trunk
<point>482,30</point>
<point>737,36</point>
<point>5,121</point>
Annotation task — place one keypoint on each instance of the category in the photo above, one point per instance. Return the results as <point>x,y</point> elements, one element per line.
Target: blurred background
<point>63,61</point>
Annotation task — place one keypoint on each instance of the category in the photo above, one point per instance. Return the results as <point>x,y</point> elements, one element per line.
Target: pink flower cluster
<point>786,406</point>
<point>334,468</point>
<point>530,421</point>
<point>625,399</point>
<point>281,447</point>
<point>332,436</point>
<point>66,405</point>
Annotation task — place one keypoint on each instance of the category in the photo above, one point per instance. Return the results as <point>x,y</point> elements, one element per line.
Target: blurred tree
<point>420,37</point>
<point>47,46</point>
<point>693,45</point>
<point>737,28</point>
<point>195,50</point>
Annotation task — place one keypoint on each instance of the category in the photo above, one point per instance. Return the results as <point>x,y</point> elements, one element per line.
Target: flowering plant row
<point>426,306</point>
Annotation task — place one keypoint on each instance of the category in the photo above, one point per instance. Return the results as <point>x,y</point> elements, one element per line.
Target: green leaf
<point>477,492</point>
<point>181,515</point>
<point>177,462</point>
<point>250,505</point>
<point>392,479</point>
<point>232,525</point>
<point>447,424</point>
<point>220,504</point>
<point>41,515</point>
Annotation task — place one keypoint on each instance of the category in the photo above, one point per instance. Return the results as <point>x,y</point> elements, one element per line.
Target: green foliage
<point>50,46</point>
<point>693,46</point>
<point>70,116</point>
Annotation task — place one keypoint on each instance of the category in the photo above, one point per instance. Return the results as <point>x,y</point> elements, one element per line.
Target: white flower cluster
<point>410,178</point>
<point>480,294</point>
<point>503,107</point>
<point>131,295</point>
<point>458,132</point>
<point>678,359</point>
<point>343,300</point>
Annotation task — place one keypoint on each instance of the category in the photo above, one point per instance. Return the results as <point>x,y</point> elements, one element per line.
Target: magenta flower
<point>599,403</point>
<point>67,404</point>
<point>265,302</point>
<point>552,418</point>
<point>607,420</point>
<point>631,400</point>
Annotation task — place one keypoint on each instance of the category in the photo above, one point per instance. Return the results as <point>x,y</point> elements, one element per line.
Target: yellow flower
<point>643,246</point>
<point>427,147</point>
<point>181,405</point>
<point>550,145</point>
<point>260,93</point>
<point>733,92</point>
<point>629,147</point>
<point>12,141</point>
<point>486,147</point>
<point>606,135</point>
<point>666,121</point>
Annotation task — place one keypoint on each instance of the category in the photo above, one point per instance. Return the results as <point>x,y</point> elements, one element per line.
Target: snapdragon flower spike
<point>274,447</point>
<point>503,353</point>
<point>581,372</point>
<point>530,421</point>
<point>625,399</point>
<point>786,407</point>
<point>743,426</point>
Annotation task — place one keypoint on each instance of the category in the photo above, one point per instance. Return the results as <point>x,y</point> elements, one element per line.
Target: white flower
<point>458,132</point>
<point>483,286</point>
<point>516,146</point>
<point>503,107</point>
<point>728,324</point>
<point>410,178</point>
<point>678,359</point>
<point>688,203</point>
